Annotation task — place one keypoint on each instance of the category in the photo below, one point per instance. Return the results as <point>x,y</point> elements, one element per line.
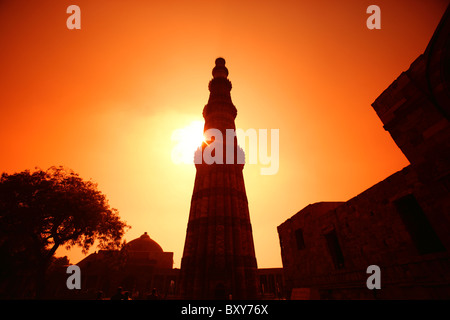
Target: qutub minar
<point>219,255</point>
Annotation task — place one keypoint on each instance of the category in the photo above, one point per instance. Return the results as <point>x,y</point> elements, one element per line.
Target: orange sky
<point>105,100</point>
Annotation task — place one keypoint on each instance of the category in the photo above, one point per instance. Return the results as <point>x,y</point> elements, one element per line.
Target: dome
<point>144,244</point>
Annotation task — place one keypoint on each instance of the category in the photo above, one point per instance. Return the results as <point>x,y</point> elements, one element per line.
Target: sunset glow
<point>120,101</point>
<point>188,140</point>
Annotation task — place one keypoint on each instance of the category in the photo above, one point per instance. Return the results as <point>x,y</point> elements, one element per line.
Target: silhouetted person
<point>153,295</point>
<point>118,295</point>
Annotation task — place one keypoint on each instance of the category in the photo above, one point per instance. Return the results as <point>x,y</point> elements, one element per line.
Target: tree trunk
<point>41,272</point>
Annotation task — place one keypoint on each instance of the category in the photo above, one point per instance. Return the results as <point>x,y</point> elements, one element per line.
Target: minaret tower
<point>219,255</point>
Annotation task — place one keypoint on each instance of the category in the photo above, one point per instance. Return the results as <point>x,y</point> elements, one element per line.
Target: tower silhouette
<point>219,255</point>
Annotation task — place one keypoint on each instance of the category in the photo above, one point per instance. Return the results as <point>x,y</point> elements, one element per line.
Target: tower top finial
<point>220,61</point>
<point>220,71</point>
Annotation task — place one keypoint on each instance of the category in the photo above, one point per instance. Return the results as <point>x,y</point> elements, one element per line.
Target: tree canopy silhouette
<point>41,211</point>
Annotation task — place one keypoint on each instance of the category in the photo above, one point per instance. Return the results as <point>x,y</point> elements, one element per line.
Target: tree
<point>43,210</point>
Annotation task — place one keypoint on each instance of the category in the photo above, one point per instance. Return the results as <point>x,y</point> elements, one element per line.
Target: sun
<point>188,139</point>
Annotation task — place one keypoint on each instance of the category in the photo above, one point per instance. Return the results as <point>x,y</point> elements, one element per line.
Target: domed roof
<point>144,243</point>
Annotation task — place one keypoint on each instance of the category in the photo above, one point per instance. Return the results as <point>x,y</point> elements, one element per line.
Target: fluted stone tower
<point>219,255</point>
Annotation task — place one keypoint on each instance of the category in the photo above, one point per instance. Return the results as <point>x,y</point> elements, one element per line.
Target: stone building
<point>401,224</point>
<point>219,255</point>
<point>139,267</point>
<point>271,283</point>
